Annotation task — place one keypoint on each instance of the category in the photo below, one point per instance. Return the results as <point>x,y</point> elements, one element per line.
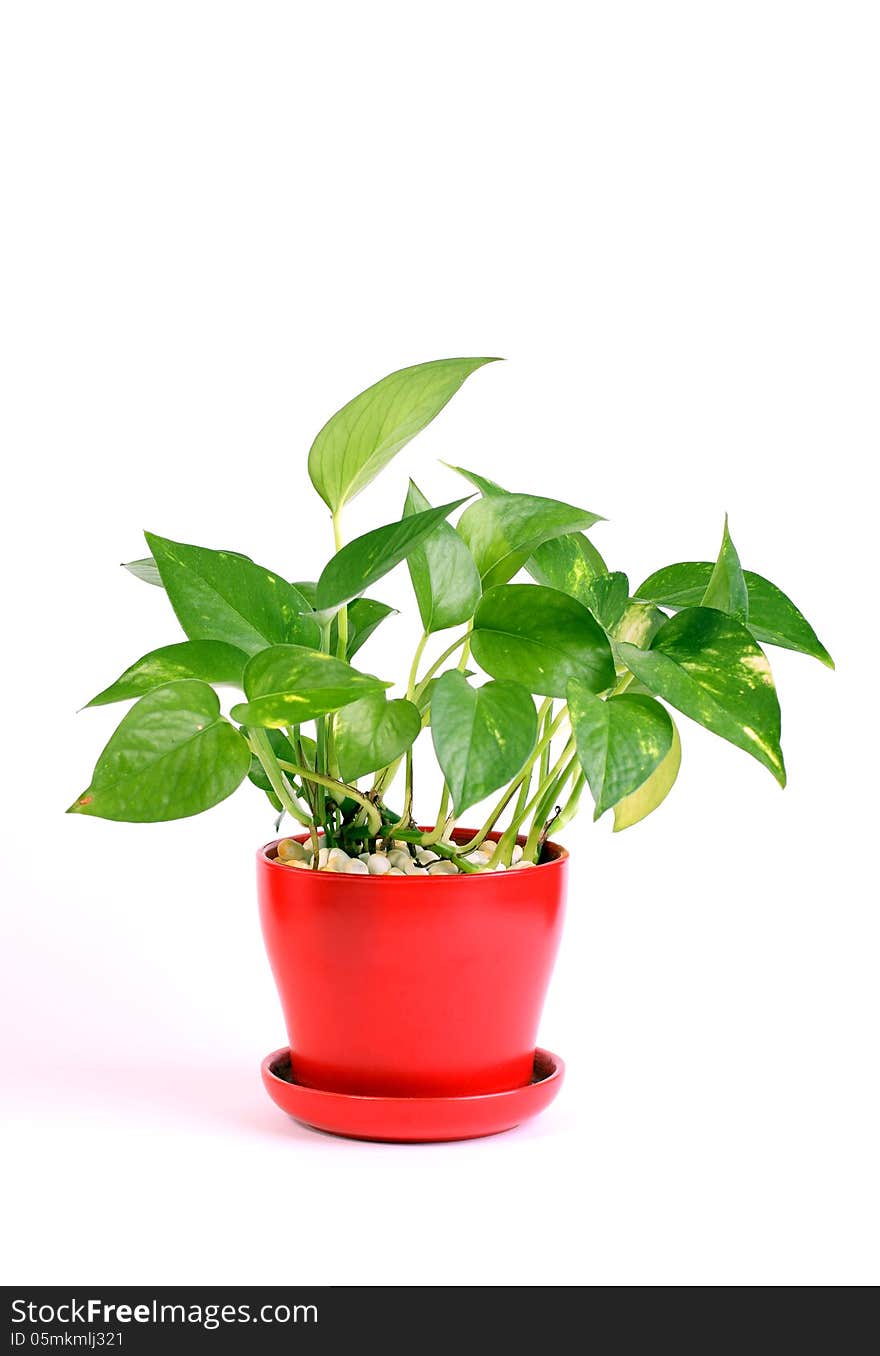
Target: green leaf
<point>372,732</point>
<point>362,437</point>
<point>172,756</point>
<point>362,561</point>
<point>364,615</point>
<point>482,483</point>
<point>567,563</point>
<point>540,638</point>
<point>444,576</point>
<point>218,595</point>
<point>210,660</point>
<point>653,791</point>
<point>707,665</point>
<point>289,684</point>
<point>726,589</point>
<point>423,701</point>
<point>482,736</point>
<point>503,531</point>
<point>773,617</point>
<point>609,594</point>
<point>620,742</point>
<point>148,571</point>
<point>145,569</point>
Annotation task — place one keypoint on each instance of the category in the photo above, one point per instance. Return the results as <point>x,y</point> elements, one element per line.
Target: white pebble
<point>337,859</point>
<point>516,855</point>
<point>519,866</point>
<point>323,854</point>
<point>290,850</point>
<point>395,871</point>
<point>398,857</point>
<point>478,858</point>
<point>441,868</point>
<point>356,868</point>
<point>424,857</point>
<point>378,864</point>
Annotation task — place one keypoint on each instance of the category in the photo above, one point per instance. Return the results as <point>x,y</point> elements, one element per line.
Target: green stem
<point>465,654</point>
<point>549,731</point>
<point>440,821</point>
<point>570,808</point>
<point>342,615</point>
<point>505,845</point>
<point>545,796</point>
<point>545,756</point>
<point>414,667</point>
<point>341,790</point>
<point>321,753</point>
<point>262,749</point>
<point>462,640</point>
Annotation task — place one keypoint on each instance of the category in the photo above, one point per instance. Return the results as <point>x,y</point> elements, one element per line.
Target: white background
<point>220,222</point>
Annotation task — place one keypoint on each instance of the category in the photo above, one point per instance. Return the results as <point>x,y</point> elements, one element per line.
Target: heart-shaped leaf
<point>362,437</point>
<point>173,755</point>
<point>567,563</point>
<point>710,667</point>
<point>372,732</point>
<point>423,700</point>
<point>444,576</point>
<point>726,589</point>
<point>289,684</point>
<point>364,615</point>
<point>218,595</point>
<point>210,660</point>
<point>362,561</point>
<point>540,638</point>
<point>502,531</point>
<point>653,791</point>
<point>482,736</point>
<point>620,742</point>
<point>773,617</point>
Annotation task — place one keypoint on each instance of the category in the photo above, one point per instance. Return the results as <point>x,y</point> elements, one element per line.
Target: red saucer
<point>412,1120</point>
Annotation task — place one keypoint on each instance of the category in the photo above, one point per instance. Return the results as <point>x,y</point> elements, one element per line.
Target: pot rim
<point>560,857</point>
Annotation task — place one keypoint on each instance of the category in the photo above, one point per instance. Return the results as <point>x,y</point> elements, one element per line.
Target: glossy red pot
<point>404,987</point>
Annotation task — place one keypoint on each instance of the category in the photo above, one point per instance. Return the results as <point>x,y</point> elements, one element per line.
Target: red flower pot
<point>396,987</point>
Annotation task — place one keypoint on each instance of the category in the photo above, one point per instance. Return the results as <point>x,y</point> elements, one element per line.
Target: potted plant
<point>412,958</point>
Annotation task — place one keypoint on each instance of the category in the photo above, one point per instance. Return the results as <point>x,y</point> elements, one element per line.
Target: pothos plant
<point>577,669</point>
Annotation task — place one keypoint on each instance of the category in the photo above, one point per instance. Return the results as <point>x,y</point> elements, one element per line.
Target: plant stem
<point>321,752</point>
<point>342,615</point>
<point>341,791</point>
<point>387,774</point>
<point>545,756</point>
<point>465,654</point>
<point>545,796</point>
<point>462,640</point>
<point>440,822</point>
<point>414,668</point>
<point>549,731</point>
<point>262,749</point>
<point>570,808</point>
